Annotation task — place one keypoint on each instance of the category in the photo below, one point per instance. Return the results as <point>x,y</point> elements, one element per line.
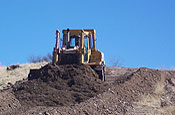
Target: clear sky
<point>138,33</point>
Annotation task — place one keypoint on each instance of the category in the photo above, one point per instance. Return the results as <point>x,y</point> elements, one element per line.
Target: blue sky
<point>138,33</point>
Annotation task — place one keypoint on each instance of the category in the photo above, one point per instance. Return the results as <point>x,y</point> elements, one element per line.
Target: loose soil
<point>62,85</point>
<point>76,89</point>
<point>124,96</point>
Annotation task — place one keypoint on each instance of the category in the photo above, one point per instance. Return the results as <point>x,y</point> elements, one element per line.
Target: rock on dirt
<point>12,67</point>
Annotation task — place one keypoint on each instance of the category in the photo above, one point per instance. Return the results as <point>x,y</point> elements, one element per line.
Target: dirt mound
<point>141,82</point>
<point>142,92</point>
<point>62,85</point>
<point>128,93</point>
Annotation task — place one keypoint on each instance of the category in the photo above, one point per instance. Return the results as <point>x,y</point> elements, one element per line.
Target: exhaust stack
<point>57,47</point>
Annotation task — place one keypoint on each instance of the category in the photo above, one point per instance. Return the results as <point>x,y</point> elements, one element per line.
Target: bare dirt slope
<point>11,74</point>
<point>130,91</point>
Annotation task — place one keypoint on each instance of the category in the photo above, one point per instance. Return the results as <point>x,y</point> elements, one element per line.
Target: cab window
<point>74,41</point>
<point>91,41</point>
<point>86,42</point>
<point>86,48</point>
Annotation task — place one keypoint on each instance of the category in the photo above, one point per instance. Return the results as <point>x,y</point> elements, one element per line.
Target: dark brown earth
<point>62,85</point>
<point>75,89</point>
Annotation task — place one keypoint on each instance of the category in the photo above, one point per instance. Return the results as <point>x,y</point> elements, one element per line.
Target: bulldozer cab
<point>74,38</point>
<point>79,40</point>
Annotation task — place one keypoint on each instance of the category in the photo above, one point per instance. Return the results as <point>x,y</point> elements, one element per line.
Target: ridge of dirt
<point>75,89</point>
<point>141,82</point>
<point>123,97</point>
<point>59,85</point>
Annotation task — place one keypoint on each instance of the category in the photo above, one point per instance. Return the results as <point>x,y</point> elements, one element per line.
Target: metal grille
<point>69,59</point>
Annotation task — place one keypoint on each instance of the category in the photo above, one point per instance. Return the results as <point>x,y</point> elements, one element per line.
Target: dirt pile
<point>57,89</point>
<point>135,91</point>
<point>126,96</point>
<point>62,85</point>
<point>143,81</point>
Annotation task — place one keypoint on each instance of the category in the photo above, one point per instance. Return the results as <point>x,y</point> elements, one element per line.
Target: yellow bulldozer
<point>79,47</point>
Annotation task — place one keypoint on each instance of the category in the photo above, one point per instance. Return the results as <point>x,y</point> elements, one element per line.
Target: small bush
<point>35,59</point>
<point>115,62</point>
